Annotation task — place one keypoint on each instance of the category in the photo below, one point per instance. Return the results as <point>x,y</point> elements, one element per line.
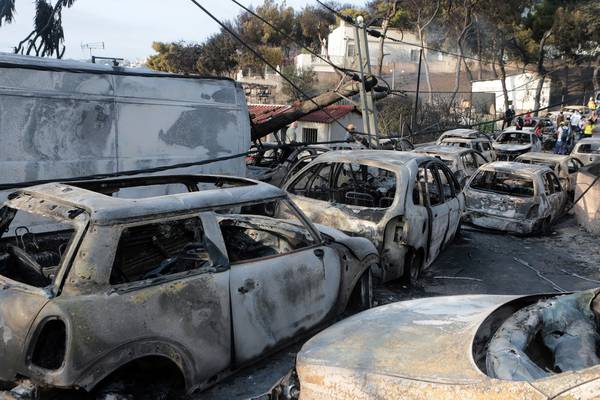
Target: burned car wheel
<point>412,271</point>
<point>362,296</point>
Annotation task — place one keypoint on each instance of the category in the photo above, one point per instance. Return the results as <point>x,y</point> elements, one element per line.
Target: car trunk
<point>499,204</point>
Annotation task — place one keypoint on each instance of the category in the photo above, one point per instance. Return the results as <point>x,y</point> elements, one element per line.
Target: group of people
<point>569,129</point>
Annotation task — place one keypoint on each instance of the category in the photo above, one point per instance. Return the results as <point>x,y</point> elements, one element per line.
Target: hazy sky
<point>128,27</point>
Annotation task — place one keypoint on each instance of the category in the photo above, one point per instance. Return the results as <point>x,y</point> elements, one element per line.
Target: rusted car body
<point>463,162</point>
<point>439,348</point>
<point>587,150</point>
<point>469,138</point>
<point>512,142</point>
<point>514,197</point>
<point>565,167</point>
<point>197,279</point>
<point>409,205</point>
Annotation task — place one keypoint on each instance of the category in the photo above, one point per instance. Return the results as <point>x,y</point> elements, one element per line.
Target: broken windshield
<point>503,183</point>
<point>32,246</point>
<point>514,138</point>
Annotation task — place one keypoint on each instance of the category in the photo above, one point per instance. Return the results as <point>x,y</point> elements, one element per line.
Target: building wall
<point>521,91</point>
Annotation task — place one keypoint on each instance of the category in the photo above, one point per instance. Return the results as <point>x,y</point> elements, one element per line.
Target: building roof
<point>263,112</point>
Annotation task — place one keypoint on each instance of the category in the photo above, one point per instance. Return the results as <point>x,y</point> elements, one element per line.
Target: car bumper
<point>512,225</point>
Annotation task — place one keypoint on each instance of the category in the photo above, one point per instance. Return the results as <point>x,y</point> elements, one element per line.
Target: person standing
<point>588,128</point>
<point>560,118</point>
<point>591,104</point>
<point>539,129</point>
<point>575,120</point>
<point>508,117</point>
<point>528,119</point>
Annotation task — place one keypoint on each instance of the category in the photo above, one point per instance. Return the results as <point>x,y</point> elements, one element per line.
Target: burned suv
<point>98,276</point>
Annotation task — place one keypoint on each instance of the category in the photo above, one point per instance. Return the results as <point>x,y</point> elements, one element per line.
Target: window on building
<point>350,50</point>
<point>414,55</point>
<point>309,135</point>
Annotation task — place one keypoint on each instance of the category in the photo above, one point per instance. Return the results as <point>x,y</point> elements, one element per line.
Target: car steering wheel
<point>27,261</point>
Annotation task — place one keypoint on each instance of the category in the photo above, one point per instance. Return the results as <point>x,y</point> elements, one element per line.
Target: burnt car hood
<point>512,148</point>
<point>417,348</point>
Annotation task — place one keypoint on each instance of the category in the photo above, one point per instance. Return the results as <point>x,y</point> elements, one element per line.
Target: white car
<point>463,162</point>
<point>587,150</point>
<point>470,139</point>
<point>514,197</point>
<point>538,347</point>
<point>512,142</point>
<point>409,205</point>
<point>565,167</point>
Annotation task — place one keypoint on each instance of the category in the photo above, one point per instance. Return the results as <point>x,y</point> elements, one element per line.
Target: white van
<point>63,119</point>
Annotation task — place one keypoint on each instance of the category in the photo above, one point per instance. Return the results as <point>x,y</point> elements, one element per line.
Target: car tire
<point>546,227</point>
<point>362,296</point>
<point>412,270</point>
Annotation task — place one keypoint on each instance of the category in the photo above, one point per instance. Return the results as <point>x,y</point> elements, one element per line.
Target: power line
<point>264,60</point>
<point>349,72</point>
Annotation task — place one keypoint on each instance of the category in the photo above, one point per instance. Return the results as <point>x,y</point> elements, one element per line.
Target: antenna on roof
<point>92,46</point>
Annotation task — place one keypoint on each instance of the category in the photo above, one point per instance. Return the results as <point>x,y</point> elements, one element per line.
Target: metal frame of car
<point>456,154</point>
<point>561,167</point>
<point>103,333</point>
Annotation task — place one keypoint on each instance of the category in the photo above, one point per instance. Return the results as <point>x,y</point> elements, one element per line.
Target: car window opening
<point>158,249</point>
<point>262,230</point>
<point>503,183</point>
<point>514,138</point>
<point>33,246</point>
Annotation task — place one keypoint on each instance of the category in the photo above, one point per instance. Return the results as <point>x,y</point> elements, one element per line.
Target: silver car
<point>587,150</point>
<point>409,205</point>
<point>512,142</point>
<point>514,197</point>
<point>103,277</point>
<point>463,162</point>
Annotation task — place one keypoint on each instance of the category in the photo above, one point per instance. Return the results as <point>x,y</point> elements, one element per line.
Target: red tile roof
<point>263,112</point>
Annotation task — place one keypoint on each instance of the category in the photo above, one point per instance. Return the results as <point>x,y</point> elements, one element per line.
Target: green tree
<point>47,37</point>
<point>176,57</point>
<point>218,55</point>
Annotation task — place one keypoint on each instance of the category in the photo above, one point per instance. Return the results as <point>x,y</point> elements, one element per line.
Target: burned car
<point>587,150</point>
<point>514,197</point>
<point>98,276</point>
<point>536,347</point>
<point>463,162</point>
<point>396,143</point>
<point>408,204</point>
<point>469,138</point>
<point>271,163</point>
<point>512,142</point>
<point>565,167</point>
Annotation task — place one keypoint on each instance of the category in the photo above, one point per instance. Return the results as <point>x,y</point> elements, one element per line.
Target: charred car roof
<point>389,158</point>
<point>462,133</point>
<point>515,167</point>
<point>94,196</point>
<point>441,149</point>
<point>544,156</point>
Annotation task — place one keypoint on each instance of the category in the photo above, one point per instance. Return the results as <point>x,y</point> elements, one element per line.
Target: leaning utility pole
<point>367,105</point>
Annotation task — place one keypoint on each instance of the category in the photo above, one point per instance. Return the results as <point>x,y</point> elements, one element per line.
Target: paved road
<point>478,262</point>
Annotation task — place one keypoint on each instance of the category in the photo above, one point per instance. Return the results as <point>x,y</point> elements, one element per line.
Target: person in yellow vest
<point>591,104</point>
<point>588,128</point>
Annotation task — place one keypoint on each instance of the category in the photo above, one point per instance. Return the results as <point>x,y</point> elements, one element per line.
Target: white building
<point>521,91</point>
<point>342,50</point>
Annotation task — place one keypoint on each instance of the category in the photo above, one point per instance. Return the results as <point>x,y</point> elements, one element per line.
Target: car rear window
<point>503,183</point>
<point>514,138</point>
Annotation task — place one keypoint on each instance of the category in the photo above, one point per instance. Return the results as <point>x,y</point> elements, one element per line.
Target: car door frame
<point>430,212</point>
<point>247,292</point>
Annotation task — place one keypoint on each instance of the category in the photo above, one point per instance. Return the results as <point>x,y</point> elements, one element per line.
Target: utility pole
<point>414,121</point>
<point>369,114</point>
